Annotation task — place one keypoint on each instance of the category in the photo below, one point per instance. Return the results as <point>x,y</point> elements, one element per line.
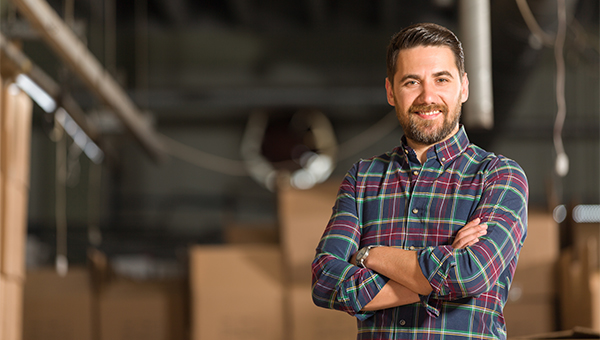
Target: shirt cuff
<point>435,263</point>
<point>359,290</point>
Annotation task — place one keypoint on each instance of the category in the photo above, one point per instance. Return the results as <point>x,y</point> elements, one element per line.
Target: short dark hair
<point>424,34</point>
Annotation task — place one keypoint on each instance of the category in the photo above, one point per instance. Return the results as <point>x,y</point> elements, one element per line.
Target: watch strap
<point>361,261</point>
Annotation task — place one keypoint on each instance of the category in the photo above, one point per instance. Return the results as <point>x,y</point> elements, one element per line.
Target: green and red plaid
<point>394,200</point>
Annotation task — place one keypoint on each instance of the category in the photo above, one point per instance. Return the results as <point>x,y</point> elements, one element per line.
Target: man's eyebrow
<point>437,74</point>
<point>443,73</point>
<point>410,76</point>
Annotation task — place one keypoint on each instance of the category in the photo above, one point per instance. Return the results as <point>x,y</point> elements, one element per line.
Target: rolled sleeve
<point>337,284</point>
<point>348,292</point>
<point>458,273</point>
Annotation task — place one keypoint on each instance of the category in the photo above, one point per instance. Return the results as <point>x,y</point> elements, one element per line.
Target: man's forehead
<point>433,59</point>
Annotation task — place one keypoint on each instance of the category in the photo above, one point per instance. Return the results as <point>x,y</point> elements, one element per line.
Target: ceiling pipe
<point>15,62</point>
<point>77,56</point>
<point>20,63</point>
<point>476,36</point>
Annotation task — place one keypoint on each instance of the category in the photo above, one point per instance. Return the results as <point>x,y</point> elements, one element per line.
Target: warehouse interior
<point>180,139</point>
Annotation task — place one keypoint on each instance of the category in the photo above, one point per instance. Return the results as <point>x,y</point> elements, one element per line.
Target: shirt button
<point>416,173</point>
<point>402,322</point>
<point>443,159</point>
<point>406,151</point>
<point>411,247</point>
<point>415,211</point>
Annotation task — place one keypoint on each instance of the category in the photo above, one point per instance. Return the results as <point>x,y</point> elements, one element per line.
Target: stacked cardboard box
<point>580,278</point>
<point>79,307</point>
<point>15,141</point>
<point>236,292</point>
<point>303,217</point>
<point>257,286</point>
<point>531,308</point>
<point>144,310</point>
<point>58,307</point>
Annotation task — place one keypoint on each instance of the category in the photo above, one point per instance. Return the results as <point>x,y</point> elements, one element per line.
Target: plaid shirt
<point>393,200</point>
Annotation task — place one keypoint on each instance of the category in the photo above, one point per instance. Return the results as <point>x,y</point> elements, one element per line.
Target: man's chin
<point>428,136</point>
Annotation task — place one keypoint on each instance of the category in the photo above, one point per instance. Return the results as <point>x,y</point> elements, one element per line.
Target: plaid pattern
<point>392,200</point>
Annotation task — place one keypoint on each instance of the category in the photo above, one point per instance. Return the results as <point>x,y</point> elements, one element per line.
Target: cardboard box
<point>595,300</point>
<point>15,123</point>
<point>587,235</point>
<point>251,234</point>
<point>69,308</point>
<point>141,310</point>
<point>303,216</point>
<point>534,281</point>
<point>579,288</point>
<point>577,333</point>
<point>542,245</point>
<point>236,293</point>
<point>2,179</point>
<point>17,110</point>
<point>14,230</point>
<point>2,304</point>
<point>58,308</point>
<point>308,321</point>
<point>531,306</point>
<point>15,133</point>
<point>12,305</point>
<point>536,275</point>
<point>531,316</point>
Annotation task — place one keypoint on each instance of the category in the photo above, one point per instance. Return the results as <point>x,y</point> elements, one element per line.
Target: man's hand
<point>469,234</point>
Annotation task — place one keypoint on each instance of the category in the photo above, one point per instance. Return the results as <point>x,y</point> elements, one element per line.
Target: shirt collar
<point>447,150</point>
<point>453,146</point>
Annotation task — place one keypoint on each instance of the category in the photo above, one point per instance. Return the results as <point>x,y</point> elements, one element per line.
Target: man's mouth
<point>428,113</point>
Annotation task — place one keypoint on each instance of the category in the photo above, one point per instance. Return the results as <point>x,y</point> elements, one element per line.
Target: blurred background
<point>180,133</point>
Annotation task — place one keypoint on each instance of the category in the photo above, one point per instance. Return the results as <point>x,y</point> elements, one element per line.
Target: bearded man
<point>423,240</point>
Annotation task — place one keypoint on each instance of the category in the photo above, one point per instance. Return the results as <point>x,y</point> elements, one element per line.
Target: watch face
<point>361,252</point>
<point>360,255</point>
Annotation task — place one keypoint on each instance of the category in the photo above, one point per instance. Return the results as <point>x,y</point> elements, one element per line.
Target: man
<point>423,240</point>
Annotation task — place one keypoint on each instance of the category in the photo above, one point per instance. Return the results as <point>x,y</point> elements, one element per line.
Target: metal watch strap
<point>361,261</point>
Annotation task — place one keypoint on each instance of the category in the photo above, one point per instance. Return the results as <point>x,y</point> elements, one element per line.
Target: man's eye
<point>411,82</point>
<point>443,80</point>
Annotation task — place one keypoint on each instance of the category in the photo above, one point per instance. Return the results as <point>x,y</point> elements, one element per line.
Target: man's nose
<point>428,93</point>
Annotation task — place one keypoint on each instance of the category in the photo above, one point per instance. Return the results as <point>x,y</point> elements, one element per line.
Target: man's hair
<point>425,34</point>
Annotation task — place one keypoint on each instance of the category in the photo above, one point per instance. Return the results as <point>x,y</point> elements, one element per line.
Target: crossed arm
<point>397,276</point>
<point>405,285</point>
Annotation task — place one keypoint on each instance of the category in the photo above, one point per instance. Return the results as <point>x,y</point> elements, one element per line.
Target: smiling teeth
<point>430,113</point>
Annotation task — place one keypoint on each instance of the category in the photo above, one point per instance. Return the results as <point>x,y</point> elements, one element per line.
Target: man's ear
<point>464,91</point>
<point>389,92</point>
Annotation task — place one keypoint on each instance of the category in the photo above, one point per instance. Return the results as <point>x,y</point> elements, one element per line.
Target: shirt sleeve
<point>458,273</point>
<point>337,284</point>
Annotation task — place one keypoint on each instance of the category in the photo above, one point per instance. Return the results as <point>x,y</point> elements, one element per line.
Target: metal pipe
<point>77,56</point>
<point>475,31</point>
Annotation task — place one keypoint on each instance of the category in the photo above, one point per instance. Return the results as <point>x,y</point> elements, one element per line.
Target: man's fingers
<point>472,223</point>
<point>469,234</point>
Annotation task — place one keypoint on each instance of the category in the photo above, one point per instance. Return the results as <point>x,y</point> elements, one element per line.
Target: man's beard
<point>416,129</point>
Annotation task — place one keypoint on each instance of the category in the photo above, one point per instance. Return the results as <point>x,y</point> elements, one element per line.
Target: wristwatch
<point>362,255</point>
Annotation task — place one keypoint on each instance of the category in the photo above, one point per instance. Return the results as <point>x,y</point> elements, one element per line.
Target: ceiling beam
<point>77,56</point>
